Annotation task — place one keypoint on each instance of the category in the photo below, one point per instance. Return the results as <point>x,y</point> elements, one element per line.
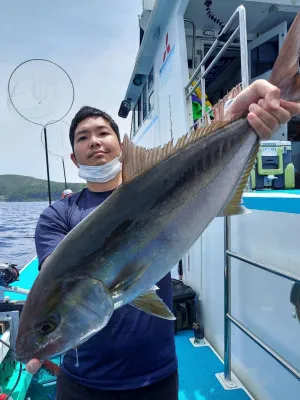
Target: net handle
<point>43,144</point>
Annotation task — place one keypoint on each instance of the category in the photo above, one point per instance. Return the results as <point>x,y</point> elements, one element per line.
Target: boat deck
<point>197,365</point>
<point>286,201</point>
<point>197,369</point>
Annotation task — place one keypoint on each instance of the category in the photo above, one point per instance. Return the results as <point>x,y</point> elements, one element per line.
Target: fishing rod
<point>9,273</point>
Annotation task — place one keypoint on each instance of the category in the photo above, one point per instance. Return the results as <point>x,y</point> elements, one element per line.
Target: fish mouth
<point>22,358</point>
<point>43,353</point>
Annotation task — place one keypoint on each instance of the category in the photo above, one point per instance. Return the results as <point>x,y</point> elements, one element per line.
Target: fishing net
<point>41,91</point>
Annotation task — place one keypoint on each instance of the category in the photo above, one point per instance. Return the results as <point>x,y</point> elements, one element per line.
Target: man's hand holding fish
<point>266,109</point>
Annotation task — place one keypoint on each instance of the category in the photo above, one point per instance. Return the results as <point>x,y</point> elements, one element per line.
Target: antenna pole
<point>63,163</point>
<point>47,164</point>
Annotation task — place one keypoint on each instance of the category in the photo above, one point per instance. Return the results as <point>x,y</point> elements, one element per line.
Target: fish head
<point>61,316</point>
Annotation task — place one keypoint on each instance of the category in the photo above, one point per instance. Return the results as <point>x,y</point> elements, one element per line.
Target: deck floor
<point>197,369</point>
<point>197,380</point>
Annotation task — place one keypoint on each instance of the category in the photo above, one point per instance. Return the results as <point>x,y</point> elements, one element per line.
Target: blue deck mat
<point>197,369</point>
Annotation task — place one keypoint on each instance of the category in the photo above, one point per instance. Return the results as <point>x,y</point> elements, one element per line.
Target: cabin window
<point>145,102</point>
<point>150,80</point>
<point>132,128</point>
<point>151,91</point>
<point>263,57</point>
<point>144,105</point>
<point>139,111</point>
<point>151,101</point>
<point>136,119</point>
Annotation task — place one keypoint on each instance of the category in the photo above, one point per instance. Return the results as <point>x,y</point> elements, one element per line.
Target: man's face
<point>95,142</point>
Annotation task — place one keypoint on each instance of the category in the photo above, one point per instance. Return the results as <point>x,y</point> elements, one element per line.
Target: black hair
<point>86,112</point>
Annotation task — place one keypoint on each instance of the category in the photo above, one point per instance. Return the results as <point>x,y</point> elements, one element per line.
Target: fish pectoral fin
<point>235,207</point>
<point>152,304</point>
<point>128,281</point>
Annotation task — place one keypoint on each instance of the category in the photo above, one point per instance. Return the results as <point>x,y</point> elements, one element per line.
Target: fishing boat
<point>244,269</point>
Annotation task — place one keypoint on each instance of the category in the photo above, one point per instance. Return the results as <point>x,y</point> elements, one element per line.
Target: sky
<point>94,41</point>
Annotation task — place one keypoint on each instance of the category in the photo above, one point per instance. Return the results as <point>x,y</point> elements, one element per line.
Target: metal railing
<point>240,12</point>
<point>228,254</point>
<point>193,41</point>
<point>228,318</point>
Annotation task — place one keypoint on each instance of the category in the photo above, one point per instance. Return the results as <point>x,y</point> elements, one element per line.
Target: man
<point>66,193</point>
<point>133,357</point>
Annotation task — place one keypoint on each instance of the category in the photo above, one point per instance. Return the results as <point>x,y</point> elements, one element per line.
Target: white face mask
<point>100,173</point>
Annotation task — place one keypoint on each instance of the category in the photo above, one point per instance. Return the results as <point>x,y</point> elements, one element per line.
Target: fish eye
<point>47,327</point>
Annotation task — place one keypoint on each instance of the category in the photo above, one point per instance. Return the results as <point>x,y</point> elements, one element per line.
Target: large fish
<point>117,254</point>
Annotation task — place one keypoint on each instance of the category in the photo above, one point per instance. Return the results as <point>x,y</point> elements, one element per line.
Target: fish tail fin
<point>285,72</point>
<point>285,75</point>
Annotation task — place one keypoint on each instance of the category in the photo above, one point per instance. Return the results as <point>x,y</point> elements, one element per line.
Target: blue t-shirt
<point>135,349</point>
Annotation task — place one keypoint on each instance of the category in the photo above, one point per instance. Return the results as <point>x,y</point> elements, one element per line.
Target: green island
<point>27,188</point>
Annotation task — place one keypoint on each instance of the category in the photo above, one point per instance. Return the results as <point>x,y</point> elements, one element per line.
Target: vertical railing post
<point>203,90</point>
<point>243,47</point>
<point>227,301</point>
<point>227,220</point>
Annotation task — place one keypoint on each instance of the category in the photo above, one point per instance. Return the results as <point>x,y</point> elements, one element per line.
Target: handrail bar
<point>247,260</point>
<point>265,347</point>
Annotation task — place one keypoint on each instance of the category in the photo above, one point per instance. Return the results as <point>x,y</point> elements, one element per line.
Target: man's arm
<point>50,230</point>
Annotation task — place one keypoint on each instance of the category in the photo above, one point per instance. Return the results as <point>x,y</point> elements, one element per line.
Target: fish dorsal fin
<point>234,206</point>
<point>136,159</point>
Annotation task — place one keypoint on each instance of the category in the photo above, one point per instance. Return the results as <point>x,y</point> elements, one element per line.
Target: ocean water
<point>17,225</point>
